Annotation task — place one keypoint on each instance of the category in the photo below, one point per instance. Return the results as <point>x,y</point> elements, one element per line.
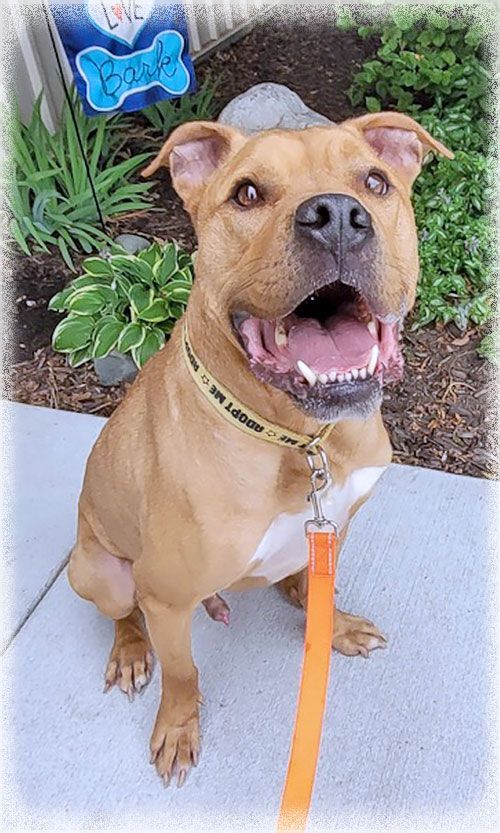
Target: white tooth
<point>372,364</point>
<point>340,377</point>
<point>332,376</point>
<point>355,373</point>
<point>308,374</point>
<point>323,378</point>
<point>362,373</point>
<point>280,335</point>
<point>372,327</point>
<point>348,377</point>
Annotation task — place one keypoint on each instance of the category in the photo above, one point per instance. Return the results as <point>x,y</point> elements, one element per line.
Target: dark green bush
<point>432,66</point>
<point>425,59</point>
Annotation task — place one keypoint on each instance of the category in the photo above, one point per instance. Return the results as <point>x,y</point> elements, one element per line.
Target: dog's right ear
<point>193,152</point>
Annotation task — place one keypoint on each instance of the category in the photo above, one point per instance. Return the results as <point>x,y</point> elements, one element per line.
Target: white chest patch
<point>282,551</point>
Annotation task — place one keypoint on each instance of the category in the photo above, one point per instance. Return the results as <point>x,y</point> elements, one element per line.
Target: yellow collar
<point>240,415</point>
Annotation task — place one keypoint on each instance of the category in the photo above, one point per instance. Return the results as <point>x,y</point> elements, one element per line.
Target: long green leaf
<point>63,248</point>
<point>92,240</point>
<point>98,146</point>
<point>47,236</point>
<point>67,237</point>
<point>76,163</point>
<point>18,236</point>
<point>23,155</point>
<point>38,176</point>
<point>38,235</point>
<point>107,178</point>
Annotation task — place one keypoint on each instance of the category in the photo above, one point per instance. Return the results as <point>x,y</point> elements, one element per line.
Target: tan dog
<point>307,263</point>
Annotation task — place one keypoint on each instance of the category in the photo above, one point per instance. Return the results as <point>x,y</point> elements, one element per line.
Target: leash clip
<point>320,481</point>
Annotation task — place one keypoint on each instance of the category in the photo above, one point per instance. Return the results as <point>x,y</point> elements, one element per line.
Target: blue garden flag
<point>125,55</point>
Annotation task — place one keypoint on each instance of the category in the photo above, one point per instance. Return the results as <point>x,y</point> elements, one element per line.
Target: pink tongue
<point>341,343</point>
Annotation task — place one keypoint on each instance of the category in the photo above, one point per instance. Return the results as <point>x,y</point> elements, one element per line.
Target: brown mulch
<point>438,416</point>
<point>313,59</point>
<point>47,380</point>
<point>441,415</point>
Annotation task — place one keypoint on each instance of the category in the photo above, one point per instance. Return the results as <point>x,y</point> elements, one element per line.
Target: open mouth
<point>331,347</point>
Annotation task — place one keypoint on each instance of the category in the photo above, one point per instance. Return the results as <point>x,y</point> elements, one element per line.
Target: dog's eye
<point>247,195</point>
<point>376,182</point>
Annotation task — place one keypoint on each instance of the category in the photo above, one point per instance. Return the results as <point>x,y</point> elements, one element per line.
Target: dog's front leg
<point>352,635</point>
<point>175,742</point>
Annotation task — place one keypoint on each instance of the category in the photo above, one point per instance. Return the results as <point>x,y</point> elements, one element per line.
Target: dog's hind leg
<point>130,663</point>
<point>108,582</point>
<point>100,577</point>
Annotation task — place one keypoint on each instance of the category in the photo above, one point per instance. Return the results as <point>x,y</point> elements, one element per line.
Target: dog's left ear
<point>193,153</point>
<point>399,140</point>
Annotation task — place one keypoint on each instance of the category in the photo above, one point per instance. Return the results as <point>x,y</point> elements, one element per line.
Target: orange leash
<point>320,594</point>
<point>306,741</point>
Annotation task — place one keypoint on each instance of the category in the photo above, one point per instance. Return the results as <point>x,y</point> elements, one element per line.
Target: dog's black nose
<point>334,221</point>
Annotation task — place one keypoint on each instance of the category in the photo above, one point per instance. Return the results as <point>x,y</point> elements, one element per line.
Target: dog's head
<point>307,249</point>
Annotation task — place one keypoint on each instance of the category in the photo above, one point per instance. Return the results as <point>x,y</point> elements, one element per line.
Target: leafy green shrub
<point>123,302</point>
<point>489,348</point>
<point>426,59</point>
<point>430,64</point>
<point>49,196</point>
<point>451,203</point>
<point>197,106</point>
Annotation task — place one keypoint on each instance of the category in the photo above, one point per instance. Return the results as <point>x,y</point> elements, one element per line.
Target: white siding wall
<point>31,66</point>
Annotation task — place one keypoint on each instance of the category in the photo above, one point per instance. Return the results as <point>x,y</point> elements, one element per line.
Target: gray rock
<point>115,368</point>
<point>267,107</point>
<point>132,243</point>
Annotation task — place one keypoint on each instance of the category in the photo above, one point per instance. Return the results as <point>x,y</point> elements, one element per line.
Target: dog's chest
<point>283,552</point>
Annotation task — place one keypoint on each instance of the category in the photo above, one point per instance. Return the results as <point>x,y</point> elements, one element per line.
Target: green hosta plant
<point>123,302</point>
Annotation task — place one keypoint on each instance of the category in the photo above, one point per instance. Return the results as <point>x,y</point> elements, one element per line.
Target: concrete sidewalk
<point>407,739</point>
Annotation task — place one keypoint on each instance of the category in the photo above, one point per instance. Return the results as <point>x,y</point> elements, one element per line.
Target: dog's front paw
<point>175,746</point>
<point>353,635</point>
